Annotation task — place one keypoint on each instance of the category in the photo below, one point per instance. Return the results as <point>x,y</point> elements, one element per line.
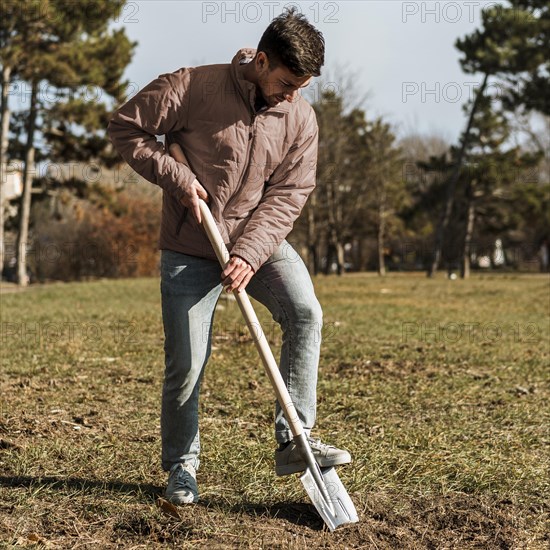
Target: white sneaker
<point>182,485</point>
<point>288,460</point>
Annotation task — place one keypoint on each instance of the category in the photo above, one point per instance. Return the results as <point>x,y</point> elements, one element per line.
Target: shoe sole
<point>179,502</point>
<point>297,467</point>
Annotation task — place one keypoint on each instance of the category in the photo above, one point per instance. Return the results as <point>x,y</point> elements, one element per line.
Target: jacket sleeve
<point>161,107</point>
<point>285,195</point>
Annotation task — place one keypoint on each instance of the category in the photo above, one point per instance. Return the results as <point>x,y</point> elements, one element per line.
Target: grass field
<point>439,389</point>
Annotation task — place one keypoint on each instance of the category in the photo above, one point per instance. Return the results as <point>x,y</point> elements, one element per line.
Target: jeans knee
<point>309,313</point>
<point>182,371</point>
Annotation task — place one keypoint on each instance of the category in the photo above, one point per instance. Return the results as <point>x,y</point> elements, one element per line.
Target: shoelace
<point>317,444</point>
<point>184,478</point>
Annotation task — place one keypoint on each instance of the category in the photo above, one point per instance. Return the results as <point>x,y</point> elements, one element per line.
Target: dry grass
<point>438,388</point>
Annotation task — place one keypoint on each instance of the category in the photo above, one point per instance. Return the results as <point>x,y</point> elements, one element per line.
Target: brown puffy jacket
<point>258,168</point>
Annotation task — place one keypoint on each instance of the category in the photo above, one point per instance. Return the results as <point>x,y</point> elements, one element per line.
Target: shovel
<point>323,486</point>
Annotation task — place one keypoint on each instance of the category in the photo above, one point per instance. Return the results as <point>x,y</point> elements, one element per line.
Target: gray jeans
<point>190,288</point>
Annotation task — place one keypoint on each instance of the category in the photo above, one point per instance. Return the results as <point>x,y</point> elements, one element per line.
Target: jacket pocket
<point>181,221</point>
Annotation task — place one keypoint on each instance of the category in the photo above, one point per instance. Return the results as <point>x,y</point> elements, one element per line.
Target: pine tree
<point>511,49</point>
<point>490,172</point>
<point>66,46</point>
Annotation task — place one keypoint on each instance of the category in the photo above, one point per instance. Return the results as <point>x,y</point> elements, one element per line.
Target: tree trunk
<point>340,260</point>
<point>470,222</point>
<point>357,246</point>
<point>451,185</point>
<point>312,237</point>
<point>313,259</point>
<point>328,256</point>
<point>381,234</point>
<point>25,208</point>
<point>335,247</point>
<point>335,250</point>
<point>4,129</point>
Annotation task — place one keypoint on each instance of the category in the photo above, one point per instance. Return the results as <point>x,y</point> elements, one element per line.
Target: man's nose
<point>290,95</point>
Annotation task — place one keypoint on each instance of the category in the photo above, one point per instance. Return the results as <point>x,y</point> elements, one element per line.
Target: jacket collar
<point>246,88</point>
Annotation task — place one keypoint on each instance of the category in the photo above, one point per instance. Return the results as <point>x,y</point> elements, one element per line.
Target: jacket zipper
<point>249,149</point>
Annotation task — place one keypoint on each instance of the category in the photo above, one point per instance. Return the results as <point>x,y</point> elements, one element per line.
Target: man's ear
<point>262,62</point>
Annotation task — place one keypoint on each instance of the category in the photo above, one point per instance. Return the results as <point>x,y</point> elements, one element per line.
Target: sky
<point>399,56</point>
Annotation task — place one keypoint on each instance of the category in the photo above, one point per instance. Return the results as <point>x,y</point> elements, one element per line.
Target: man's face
<point>278,84</point>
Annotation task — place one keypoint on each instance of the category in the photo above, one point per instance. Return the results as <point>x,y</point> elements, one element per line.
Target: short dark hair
<point>291,40</point>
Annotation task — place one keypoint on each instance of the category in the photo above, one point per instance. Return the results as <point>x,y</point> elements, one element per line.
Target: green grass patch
<point>438,388</point>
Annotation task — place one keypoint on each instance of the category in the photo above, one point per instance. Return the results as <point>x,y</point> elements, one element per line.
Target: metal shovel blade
<point>341,509</point>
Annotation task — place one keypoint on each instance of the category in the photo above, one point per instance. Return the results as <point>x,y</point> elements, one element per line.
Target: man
<point>250,141</point>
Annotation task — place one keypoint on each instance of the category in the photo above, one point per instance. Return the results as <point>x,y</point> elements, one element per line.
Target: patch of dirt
<point>452,521</point>
<point>387,521</point>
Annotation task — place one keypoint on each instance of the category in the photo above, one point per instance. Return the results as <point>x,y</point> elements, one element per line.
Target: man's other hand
<point>193,193</point>
<point>236,274</point>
